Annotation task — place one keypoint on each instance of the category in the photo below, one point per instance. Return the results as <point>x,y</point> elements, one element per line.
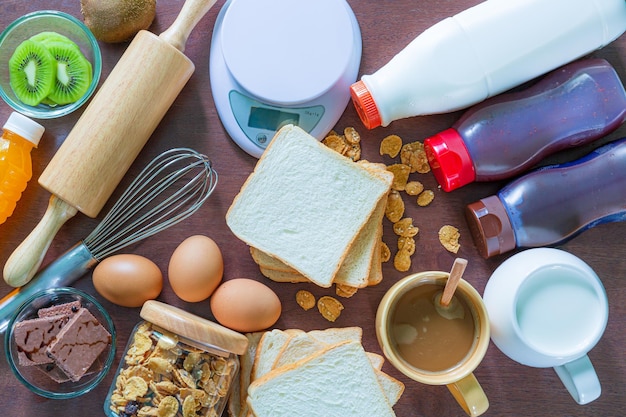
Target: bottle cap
<point>25,127</point>
<point>449,159</point>
<point>365,106</point>
<point>490,226</point>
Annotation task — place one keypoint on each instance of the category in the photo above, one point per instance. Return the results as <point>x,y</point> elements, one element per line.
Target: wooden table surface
<point>192,121</point>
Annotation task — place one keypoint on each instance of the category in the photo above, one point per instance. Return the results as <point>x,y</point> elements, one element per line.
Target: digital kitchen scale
<point>278,62</point>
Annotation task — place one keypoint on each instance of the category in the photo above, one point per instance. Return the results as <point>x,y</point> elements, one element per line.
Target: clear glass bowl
<point>44,379</point>
<point>41,21</point>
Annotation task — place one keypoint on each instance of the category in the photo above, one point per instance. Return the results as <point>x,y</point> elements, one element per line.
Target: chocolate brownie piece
<point>66,308</point>
<point>33,336</point>
<point>78,344</point>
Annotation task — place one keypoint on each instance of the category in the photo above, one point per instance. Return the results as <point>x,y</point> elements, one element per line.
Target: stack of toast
<point>321,372</point>
<point>310,214</point>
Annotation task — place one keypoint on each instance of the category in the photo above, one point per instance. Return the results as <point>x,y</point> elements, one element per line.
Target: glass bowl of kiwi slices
<point>50,64</point>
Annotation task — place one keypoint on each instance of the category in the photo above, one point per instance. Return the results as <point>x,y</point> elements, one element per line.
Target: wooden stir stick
<point>453,281</point>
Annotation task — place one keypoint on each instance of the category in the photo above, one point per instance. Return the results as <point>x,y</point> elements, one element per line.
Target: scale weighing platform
<point>278,62</point>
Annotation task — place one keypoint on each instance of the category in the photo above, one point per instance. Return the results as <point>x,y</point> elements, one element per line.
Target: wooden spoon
<point>445,304</point>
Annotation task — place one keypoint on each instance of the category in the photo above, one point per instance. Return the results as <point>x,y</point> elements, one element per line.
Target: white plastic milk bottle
<point>483,51</point>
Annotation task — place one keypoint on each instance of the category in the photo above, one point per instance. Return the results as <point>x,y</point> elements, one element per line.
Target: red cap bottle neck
<point>365,105</point>
<point>449,160</point>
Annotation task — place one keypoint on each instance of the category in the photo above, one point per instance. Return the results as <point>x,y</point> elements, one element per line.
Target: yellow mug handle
<point>470,395</point>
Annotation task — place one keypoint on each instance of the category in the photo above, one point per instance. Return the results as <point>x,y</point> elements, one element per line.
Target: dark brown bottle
<point>552,204</point>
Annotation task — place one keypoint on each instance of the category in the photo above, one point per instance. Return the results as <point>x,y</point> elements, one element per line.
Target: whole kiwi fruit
<point>114,21</point>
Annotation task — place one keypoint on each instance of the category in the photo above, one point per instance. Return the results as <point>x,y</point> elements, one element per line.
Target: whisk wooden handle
<point>27,257</point>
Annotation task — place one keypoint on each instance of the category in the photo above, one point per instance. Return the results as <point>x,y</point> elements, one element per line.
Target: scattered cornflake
<point>385,252</point>
<point>394,210</point>
<point>348,144</point>
<point>413,155</point>
<point>351,135</point>
<point>400,175</point>
<point>329,307</point>
<point>353,152</point>
<point>402,260</point>
<point>449,237</point>
<point>404,227</point>
<point>425,198</point>
<point>413,187</point>
<point>345,291</point>
<point>391,145</point>
<point>407,243</point>
<point>305,299</point>
<point>336,143</point>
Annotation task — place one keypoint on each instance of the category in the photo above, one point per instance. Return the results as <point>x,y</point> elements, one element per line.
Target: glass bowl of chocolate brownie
<point>60,343</point>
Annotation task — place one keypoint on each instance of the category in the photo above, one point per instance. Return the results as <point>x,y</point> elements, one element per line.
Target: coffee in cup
<point>433,344</point>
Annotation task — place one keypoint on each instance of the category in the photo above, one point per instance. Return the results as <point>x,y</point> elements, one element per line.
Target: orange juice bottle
<point>20,134</point>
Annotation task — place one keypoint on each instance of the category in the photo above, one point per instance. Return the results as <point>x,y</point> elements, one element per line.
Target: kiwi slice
<point>32,72</point>
<point>73,72</point>
<point>46,37</point>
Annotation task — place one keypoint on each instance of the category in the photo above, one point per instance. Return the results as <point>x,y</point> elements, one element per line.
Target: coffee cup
<point>548,308</point>
<point>411,327</point>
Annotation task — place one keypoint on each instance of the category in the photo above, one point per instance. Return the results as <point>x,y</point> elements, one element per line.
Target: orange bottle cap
<point>364,104</point>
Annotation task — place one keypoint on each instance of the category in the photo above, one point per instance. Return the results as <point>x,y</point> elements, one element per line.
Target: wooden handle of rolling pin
<point>111,132</point>
<point>27,257</point>
<point>189,16</point>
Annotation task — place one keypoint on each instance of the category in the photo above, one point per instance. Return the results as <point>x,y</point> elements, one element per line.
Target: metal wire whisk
<point>168,190</point>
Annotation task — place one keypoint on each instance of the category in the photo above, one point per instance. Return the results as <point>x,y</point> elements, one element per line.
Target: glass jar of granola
<point>175,364</point>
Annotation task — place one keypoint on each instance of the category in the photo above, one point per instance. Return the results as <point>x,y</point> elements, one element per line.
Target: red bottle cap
<point>449,159</point>
<point>490,226</point>
<point>364,104</point>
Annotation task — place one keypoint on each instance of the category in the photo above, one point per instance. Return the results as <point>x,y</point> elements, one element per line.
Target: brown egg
<point>196,268</point>
<point>245,305</point>
<point>128,280</point>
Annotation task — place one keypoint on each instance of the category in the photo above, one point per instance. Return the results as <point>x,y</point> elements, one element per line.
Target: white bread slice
<point>356,268</point>
<point>304,344</point>
<point>335,335</point>
<point>392,388</point>
<point>298,347</point>
<point>376,272</point>
<point>268,262</point>
<point>269,348</point>
<point>377,360</point>
<point>362,266</point>
<point>283,276</point>
<point>336,381</point>
<point>298,195</point>
<point>237,402</point>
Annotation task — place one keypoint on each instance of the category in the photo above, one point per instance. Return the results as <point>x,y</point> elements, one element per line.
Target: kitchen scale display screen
<point>264,118</point>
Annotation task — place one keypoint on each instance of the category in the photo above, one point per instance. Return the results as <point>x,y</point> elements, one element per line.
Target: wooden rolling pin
<point>110,134</point>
